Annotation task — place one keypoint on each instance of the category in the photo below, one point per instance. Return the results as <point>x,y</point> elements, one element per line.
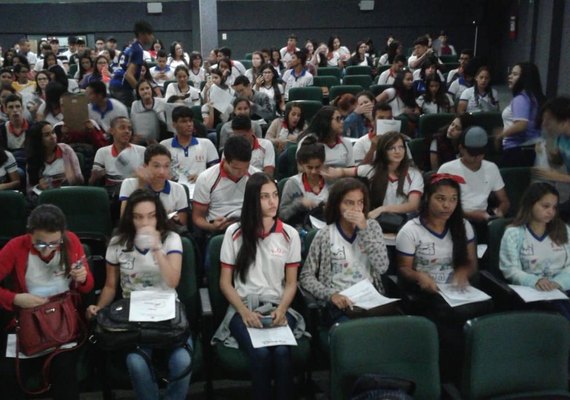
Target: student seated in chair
<point>535,247</point>
<point>349,249</point>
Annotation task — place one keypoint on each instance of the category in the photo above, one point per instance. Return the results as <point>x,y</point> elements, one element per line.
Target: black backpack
<point>380,387</point>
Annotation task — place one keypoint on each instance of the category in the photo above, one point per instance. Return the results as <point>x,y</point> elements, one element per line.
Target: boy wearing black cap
<point>482,178</point>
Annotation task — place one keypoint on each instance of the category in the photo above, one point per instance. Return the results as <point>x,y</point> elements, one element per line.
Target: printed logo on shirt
<point>426,249</point>
<point>340,254</point>
<point>127,260</point>
<point>278,252</point>
<point>527,250</point>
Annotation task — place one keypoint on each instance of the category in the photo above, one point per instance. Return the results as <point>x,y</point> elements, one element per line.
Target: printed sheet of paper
<point>364,295</point>
<point>317,223</point>
<point>11,348</point>
<point>529,294</point>
<point>456,296</point>
<point>152,306</point>
<point>221,99</point>
<point>267,337</point>
<point>387,125</point>
<point>481,249</point>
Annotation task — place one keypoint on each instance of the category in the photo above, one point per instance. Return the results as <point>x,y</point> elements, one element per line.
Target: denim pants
<point>266,363</point>
<point>145,383</point>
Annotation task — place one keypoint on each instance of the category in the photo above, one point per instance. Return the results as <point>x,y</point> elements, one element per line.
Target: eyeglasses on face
<point>41,246</point>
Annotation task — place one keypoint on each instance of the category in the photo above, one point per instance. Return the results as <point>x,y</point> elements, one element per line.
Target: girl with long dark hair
<point>269,84</point>
<point>260,256</point>
<point>395,186</point>
<point>538,227</point>
<point>520,118</point>
<point>481,97</point>
<point>435,100</point>
<point>146,254</point>
<point>401,97</point>
<point>287,129</point>
<point>46,261</point>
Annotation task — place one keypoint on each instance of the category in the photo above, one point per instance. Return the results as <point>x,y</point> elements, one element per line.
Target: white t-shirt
<point>361,147</point>
<point>262,154</point>
<point>279,250</point>
<point>414,182</point>
<point>478,184</point>
<point>118,166</point>
<point>431,107</point>
<point>480,102</point>
<point>46,278</point>
<point>13,141</point>
<point>146,122</point>
<point>300,181</point>
<point>138,267</point>
<point>292,81</point>
<point>457,88</point>
<point>155,71</point>
<point>8,167</point>
<point>395,102</point>
<point>349,263</point>
<point>114,109</point>
<point>432,252</point>
<point>339,155</point>
<point>174,90</point>
<point>190,160</point>
<point>223,196</point>
<point>387,77</point>
<point>173,196</point>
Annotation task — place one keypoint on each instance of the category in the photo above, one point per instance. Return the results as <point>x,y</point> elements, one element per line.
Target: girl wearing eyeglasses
<point>327,127</point>
<point>47,261</point>
<point>395,186</point>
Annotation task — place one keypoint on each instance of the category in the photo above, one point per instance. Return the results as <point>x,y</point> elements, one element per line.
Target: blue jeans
<point>266,363</point>
<point>144,382</point>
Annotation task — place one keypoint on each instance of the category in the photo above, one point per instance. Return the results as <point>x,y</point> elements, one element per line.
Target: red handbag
<point>46,328</point>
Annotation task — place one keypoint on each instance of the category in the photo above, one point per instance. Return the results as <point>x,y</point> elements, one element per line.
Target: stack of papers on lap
<point>152,306</point>
<point>364,295</point>
<point>529,294</point>
<point>267,337</point>
<point>456,296</point>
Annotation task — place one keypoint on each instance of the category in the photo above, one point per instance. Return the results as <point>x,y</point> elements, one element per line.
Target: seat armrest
<point>493,280</point>
<point>310,301</point>
<point>205,303</point>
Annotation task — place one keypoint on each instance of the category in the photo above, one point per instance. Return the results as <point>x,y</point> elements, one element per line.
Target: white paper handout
<point>267,337</point>
<point>481,249</point>
<point>152,306</point>
<point>364,295</point>
<point>457,296</point>
<point>317,223</point>
<point>11,348</point>
<point>387,125</point>
<point>221,99</point>
<point>530,294</point>
<point>183,180</point>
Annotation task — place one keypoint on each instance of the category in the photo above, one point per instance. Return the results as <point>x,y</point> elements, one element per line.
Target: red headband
<point>435,178</point>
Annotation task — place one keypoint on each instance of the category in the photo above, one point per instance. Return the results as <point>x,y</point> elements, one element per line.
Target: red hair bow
<point>435,178</point>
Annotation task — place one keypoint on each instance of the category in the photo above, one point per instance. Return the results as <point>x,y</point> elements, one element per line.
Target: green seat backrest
<point>358,70</point>
<point>490,121</point>
<point>515,353</point>
<point>331,71</point>
<point>383,68</point>
<point>248,56</point>
<point>336,91</point>
<point>431,123</point>
<point>197,111</point>
<point>306,93</point>
<point>362,80</point>
<point>419,150</point>
<point>325,80</point>
<point>496,229</point>
<point>218,301</point>
<point>309,108</point>
<point>188,286</point>
<point>246,63</point>
<point>281,185</point>
<point>377,89</point>
<point>14,215</point>
<point>72,70</point>
<point>398,346</point>
<point>516,179</point>
<point>86,209</point>
<point>448,59</point>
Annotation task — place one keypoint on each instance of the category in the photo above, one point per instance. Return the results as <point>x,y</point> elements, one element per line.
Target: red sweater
<point>14,262</point>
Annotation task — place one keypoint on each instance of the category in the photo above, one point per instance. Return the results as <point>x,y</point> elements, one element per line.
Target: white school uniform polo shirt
<point>192,159</point>
<point>276,251</point>
<point>300,180</point>
<point>414,182</point>
<point>138,267</point>
<point>104,118</point>
<point>262,154</point>
<point>14,141</point>
<point>478,184</point>
<point>291,80</point>
<point>46,278</point>
<point>480,103</point>
<point>362,146</point>
<point>55,170</point>
<point>339,155</point>
<point>8,167</point>
<point>173,196</point>
<point>432,252</point>
<point>222,194</point>
<point>118,166</point>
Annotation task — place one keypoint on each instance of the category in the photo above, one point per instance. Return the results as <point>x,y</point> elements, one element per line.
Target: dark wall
<point>253,24</point>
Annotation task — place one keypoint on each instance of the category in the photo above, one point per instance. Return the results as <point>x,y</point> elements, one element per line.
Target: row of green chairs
<point>505,355</point>
<point>431,123</point>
